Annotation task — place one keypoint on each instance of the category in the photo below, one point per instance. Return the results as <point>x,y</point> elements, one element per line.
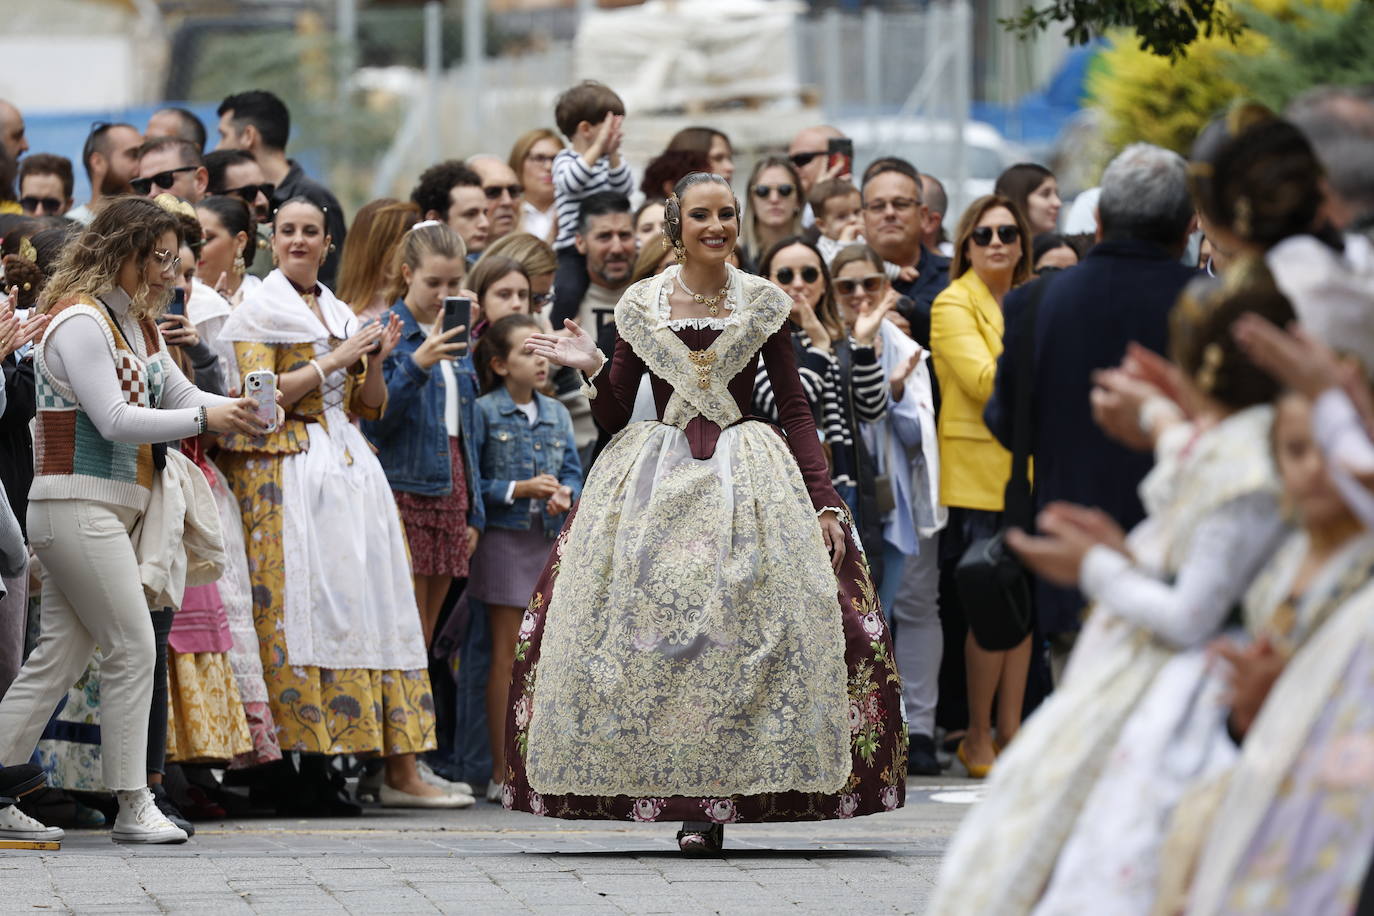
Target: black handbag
<point>869,518</point>
<point>994,587</point>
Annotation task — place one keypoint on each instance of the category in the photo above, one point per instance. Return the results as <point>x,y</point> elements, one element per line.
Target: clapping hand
<point>1068,532</point>
<point>575,349</point>
<point>866,325</point>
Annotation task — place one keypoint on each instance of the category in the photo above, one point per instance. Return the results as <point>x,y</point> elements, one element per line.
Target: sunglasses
<point>785,275</point>
<point>167,260</point>
<point>250,192</point>
<point>761,191</point>
<point>495,191</point>
<point>161,179</point>
<point>50,205</point>
<point>539,300</point>
<point>982,236</point>
<point>848,286</point>
<point>802,160</point>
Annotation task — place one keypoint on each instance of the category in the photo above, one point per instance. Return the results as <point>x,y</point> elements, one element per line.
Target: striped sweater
<point>574,182</point>
<point>71,459</point>
<point>828,395</point>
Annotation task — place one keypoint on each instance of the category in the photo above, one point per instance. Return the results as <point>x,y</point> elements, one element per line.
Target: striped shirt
<point>828,395</point>
<point>573,183</point>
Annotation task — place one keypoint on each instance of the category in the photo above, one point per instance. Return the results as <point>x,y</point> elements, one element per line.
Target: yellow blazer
<point>965,341</point>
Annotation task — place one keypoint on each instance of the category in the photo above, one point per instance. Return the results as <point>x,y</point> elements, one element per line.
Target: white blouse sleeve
<point>1340,434</point>
<point>1227,550</point>
<point>78,353</point>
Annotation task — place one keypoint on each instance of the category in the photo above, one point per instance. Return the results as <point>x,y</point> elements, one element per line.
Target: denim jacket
<point>510,449</point>
<point>411,439</point>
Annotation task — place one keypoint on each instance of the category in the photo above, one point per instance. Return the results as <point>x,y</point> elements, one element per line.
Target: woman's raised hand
<point>866,325</point>
<point>359,344</point>
<point>576,350</point>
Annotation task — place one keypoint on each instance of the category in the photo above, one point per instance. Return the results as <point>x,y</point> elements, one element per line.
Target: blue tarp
<point>1036,119</point>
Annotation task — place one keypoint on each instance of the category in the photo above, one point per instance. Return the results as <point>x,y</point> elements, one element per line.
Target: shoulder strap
<point>1017,505</point>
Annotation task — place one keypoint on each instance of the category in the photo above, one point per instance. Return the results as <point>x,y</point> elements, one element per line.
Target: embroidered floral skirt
<point>320,710</point>
<point>205,718</point>
<point>689,655</point>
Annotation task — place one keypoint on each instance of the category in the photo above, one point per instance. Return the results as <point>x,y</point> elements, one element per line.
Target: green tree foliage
<point>1312,46</point>
<point>1163,27</point>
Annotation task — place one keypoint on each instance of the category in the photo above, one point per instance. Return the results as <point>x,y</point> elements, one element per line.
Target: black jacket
<point>1123,291</point>
<point>16,446</point>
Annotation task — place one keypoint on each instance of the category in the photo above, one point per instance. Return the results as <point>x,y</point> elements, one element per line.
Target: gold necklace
<point>711,302</point>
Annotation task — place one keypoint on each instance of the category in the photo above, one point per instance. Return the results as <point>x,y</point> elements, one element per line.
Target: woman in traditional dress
<point>1213,520</point>
<point>343,654</point>
<point>683,656</point>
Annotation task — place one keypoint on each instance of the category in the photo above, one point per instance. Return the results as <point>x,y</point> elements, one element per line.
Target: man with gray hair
<point>1121,293</point>
<point>1339,123</point>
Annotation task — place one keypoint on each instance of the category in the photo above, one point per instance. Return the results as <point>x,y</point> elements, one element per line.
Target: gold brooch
<point>702,360</point>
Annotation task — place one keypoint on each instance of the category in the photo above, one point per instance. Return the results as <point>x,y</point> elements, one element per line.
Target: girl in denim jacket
<point>423,439</point>
<point>530,478</point>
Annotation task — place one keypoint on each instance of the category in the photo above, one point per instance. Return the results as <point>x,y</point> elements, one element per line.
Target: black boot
<point>701,839</point>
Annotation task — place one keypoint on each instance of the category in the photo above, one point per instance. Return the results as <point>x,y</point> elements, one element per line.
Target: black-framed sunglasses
<point>52,206</point>
<point>539,300</point>
<point>848,286</point>
<point>761,191</point>
<point>785,275</point>
<point>249,192</point>
<point>982,236</point>
<point>802,160</point>
<point>494,191</point>
<point>162,180</point>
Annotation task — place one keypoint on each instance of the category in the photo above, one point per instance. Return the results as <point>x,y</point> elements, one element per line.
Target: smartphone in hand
<point>841,149</point>
<point>261,386</point>
<point>178,304</point>
<point>458,313</point>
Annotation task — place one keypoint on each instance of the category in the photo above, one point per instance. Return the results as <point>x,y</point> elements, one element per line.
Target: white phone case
<point>261,386</point>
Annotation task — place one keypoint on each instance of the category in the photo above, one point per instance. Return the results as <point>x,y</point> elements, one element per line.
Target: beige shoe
<point>395,798</point>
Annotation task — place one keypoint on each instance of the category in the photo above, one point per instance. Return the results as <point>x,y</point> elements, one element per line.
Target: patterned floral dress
<point>689,654</point>
<point>330,710</point>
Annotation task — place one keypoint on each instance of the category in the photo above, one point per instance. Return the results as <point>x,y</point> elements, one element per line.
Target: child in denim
<point>530,478</point>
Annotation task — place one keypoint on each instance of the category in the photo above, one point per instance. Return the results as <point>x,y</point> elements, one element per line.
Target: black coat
<point>1123,291</point>
<point>16,446</point>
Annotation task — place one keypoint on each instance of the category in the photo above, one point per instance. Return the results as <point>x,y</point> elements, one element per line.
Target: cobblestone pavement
<point>486,860</point>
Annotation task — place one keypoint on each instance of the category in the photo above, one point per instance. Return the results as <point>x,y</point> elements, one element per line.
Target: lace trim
<point>588,386</point>
<point>707,323</point>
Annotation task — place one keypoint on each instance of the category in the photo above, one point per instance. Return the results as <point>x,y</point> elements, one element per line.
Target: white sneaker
<point>439,782</point>
<point>140,821</point>
<point>494,792</point>
<point>16,825</point>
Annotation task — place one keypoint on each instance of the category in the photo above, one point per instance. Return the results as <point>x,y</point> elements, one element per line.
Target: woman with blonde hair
<point>532,159</point>
<point>107,391</point>
<point>367,270</point>
<point>773,204</point>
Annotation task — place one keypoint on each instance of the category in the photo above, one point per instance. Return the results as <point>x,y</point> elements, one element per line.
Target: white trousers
<point>91,597</point>
<point>919,642</point>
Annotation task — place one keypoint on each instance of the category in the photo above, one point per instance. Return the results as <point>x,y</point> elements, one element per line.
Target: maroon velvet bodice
<point>618,384</point>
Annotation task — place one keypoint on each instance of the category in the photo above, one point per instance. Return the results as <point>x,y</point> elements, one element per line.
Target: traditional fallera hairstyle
<point>497,343</point>
<point>826,310</point>
<point>427,239</point>
<point>369,253</point>
<point>1200,338</point>
<point>969,221</point>
<point>126,228</point>
<point>237,217</point>
<point>672,208</point>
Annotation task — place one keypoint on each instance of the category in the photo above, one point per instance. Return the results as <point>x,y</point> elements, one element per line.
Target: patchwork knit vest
<point>71,459</point>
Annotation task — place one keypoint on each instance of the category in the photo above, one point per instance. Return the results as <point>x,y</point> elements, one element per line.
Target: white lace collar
<point>707,323</point>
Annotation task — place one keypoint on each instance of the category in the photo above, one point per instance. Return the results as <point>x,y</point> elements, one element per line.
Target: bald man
<point>810,153</point>
<point>504,194</point>
<point>12,131</point>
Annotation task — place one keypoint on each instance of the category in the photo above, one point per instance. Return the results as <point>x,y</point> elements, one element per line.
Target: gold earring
<point>679,253</point>
<point>240,266</point>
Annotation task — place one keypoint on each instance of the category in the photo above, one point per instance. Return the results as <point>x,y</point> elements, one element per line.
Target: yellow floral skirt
<point>320,710</point>
<point>205,718</point>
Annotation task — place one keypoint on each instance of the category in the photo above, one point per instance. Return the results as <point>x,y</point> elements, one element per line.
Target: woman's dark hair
<point>491,269</point>
<point>1046,242</point>
<point>299,199</point>
<point>237,217</point>
<point>672,208</point>
<point>1019,182</point>
<point>668,168</point>
<point>192,235</point>
<point>497,343</point>
<point>697,140</point>
<point>1255,174</point>
<point>826,309</point>
<point>961,264</point>
<point>1200,336</point>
